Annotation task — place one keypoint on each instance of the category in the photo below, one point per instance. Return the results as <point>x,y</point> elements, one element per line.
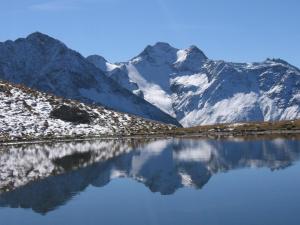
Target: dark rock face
<point>71,114</point>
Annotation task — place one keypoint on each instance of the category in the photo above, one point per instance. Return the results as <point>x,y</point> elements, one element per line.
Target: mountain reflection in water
<point>45,176</point>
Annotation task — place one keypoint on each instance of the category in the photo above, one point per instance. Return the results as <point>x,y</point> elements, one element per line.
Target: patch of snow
<point>181,56</point>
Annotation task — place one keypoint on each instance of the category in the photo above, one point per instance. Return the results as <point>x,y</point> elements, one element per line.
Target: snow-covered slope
<point>29,114</point>
<point>46,64</point>
<point>196,90</point>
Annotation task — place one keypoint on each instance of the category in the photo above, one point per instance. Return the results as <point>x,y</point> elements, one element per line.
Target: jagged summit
<point>194,50</point>
<point>160,52</point>
<point>159,46</point>
<point>190,59</point>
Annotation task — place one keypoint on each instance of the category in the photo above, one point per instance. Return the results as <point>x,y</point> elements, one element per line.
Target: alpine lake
<point>157,181</point>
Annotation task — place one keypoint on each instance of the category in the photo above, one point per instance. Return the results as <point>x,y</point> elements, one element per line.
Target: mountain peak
<point>39,36</point>
<point>98,61</point>
<point>190,59</point>
<point>160,52</point>
<point>194,50</point>
<point>44,40</point>
<point>162,45</point>
<point>159,47</point>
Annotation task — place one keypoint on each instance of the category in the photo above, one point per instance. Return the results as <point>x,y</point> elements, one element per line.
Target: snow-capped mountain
<point>196,90</point>
<point>46,64</point>
<point>164,166</point>
<point>28,114</point>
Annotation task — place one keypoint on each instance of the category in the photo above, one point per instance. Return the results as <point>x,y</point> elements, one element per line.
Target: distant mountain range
<point>197,91</point>
<point>162,83</point>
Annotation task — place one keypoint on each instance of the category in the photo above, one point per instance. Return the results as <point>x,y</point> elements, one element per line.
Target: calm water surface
<point>172,181</point>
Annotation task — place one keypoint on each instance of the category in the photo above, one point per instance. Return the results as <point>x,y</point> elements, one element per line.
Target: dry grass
<point>243,128</point>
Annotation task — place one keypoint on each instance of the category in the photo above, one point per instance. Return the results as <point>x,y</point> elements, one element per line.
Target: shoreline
<point>181,134</point>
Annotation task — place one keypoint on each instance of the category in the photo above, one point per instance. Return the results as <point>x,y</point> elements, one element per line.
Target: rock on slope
<point>29,114</point>
<point>197,91</point>
<point>46,64</point>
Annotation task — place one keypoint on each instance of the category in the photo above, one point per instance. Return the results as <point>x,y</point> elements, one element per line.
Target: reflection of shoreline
<point>21,164</point>
<point>162,165</point>
<point>266,135</point>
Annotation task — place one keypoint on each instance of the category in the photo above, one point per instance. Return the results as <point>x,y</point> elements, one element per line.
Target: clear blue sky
<point>233,30</point>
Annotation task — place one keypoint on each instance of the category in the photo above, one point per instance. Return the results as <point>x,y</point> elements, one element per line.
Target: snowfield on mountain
<point>199,91</point>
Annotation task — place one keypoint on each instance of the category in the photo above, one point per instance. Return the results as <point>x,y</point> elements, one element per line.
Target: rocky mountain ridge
<point>162,83</point>
<point>196,90</point>
<point>46,64</point>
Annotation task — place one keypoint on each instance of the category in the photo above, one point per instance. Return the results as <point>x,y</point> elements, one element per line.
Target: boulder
<point>71,114</point>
